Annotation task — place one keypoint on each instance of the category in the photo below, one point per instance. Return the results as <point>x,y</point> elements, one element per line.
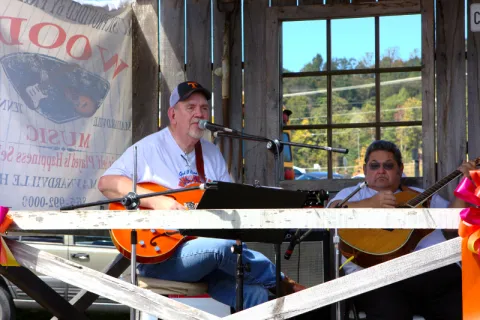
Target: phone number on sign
<point>50,202</point>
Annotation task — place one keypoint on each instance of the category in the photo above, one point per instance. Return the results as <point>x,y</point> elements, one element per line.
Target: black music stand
<point>241,196</point>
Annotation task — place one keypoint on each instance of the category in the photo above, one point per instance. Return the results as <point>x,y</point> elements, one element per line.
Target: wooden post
<point>473,57</point>
<point>428,92</point>
<point>172,52</point>
<point>258,160</point>
<point>451,110</point>
<point>145,69</point>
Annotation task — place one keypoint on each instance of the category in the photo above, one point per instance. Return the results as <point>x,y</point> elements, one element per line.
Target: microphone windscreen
<point>202,124</point>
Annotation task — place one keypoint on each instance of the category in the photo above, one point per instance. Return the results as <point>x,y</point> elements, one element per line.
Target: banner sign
<point>65,100</point>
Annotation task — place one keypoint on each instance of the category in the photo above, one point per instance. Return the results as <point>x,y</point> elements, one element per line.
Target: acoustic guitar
<point>372,246</point>
<point>154,245</point>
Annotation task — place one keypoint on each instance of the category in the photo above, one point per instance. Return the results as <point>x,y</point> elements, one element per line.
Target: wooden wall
<point>444,145</point>
<point>145,69</point>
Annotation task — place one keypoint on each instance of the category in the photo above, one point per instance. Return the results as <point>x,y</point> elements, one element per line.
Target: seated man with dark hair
<point>434,295</point>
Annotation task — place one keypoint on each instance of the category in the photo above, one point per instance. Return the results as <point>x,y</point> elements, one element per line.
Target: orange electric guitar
<point>154,245</point>
<point>373,246</point>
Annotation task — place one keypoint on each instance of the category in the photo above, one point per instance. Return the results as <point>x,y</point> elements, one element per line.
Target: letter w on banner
<point>65,100</point>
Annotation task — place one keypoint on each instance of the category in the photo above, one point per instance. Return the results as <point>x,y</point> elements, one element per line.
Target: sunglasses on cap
<point>386,165</point>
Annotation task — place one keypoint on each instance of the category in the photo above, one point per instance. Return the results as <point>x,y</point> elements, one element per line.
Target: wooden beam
<point>395,270</point>
<point>451,109</point>
<point>473,81</point>
<point>229,101</point>
<point>172,52</point>
<point>145,69</point>
<point>273,103</point>
<point>199,57</point>
<point>101,284</point>
<point>428,92</point>
<point>258,160</point>
<point>84,298</point>
<point>315,218</point>
<point>346,10</point>
<point>42,293</point>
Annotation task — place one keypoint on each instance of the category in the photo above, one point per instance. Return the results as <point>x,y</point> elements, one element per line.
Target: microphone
<point>204,124</point>
<point>291,246</point>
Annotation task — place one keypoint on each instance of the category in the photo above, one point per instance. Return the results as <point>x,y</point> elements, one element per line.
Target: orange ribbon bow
<point>469,230</point>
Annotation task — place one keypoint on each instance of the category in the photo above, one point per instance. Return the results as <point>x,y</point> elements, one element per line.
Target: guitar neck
<point>433,189</point>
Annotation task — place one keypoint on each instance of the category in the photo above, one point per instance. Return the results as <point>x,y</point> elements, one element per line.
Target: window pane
<point>400,96</point>
<point>409,141</point>
<point>356,140</point>
<point>353,43</point>
<point>400,46</point>
<point>310,159</point>
<point>353,98</point>
<point>306,52</point>
<point>307,99</point>
<point>92,240</point>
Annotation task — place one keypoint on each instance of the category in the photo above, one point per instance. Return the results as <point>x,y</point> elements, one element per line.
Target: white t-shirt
<point>160,160</point>
<point>365,193</point>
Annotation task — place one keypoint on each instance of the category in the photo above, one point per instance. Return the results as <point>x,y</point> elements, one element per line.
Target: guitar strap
<point>199,161</point>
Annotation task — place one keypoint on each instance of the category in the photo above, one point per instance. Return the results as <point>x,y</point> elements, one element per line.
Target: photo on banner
<point>65,100</point>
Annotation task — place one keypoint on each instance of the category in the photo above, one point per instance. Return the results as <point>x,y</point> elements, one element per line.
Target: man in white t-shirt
<point>177,157</point>
<point>434,295</point>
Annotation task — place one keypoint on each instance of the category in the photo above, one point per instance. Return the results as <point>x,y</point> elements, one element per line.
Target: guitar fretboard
<point>433,189</point>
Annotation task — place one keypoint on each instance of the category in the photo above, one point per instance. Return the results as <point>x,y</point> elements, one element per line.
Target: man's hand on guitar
<point>466,167</point>
<point>165,203</point>
<point>383,199</point>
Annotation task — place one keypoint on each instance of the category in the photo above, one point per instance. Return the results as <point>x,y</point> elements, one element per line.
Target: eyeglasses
<point>386,165</point>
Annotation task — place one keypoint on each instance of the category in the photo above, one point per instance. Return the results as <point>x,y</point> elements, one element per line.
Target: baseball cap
<point>185,89</point>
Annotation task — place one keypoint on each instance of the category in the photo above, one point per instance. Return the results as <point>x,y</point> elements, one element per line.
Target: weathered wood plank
<point>84,298</point>
<point>218,38</point>
<point>407,266</point>
<point>428,92</point>
<point>258,161</point>
<point>228,95</point>
<point>273,31</point>
<point>473,89</point>
<point>199,56</point>
<point>42,293</point>
<point>101,284</point>
<point>235,159</point>
<point>145,69</point>
<point>451,109</point>
<point>172,52</point>
<point>315,218</point>
<point>347,11</point>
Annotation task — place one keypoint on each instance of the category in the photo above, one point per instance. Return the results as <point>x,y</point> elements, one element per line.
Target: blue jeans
<point>210,260</point>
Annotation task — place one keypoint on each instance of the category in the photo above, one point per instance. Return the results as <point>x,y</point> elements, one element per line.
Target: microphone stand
<point>275,146</point>
<point>336,242</point>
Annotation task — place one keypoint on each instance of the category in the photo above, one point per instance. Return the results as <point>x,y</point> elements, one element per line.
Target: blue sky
<point>351,38</point>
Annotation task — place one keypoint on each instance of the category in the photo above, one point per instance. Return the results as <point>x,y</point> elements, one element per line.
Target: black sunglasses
<point>386,165</point>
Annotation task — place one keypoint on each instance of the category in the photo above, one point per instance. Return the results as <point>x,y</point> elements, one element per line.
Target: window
<point>346,89</point>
